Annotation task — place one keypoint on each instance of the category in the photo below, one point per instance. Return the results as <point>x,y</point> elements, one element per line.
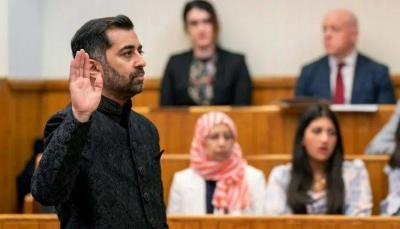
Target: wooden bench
<point>172,163</point>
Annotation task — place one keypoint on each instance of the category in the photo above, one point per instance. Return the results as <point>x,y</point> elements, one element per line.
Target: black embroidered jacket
<point>104,173</point>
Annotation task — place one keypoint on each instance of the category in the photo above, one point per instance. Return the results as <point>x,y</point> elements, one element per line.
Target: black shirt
<point>210,188</point>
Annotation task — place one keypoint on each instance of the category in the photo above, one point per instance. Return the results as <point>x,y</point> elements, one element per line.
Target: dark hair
<point>92,36</point>
<point>203,5</point>
<point>302,175</point>
<point>394,161</point>
<point>38,146</point>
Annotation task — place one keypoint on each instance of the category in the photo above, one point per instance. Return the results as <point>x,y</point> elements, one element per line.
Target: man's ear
<point>95,67</point>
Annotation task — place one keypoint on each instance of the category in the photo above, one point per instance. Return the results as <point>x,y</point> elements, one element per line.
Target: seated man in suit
<point>344,75</point>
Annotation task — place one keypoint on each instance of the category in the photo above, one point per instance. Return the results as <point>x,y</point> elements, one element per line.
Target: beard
<point>120,86</point>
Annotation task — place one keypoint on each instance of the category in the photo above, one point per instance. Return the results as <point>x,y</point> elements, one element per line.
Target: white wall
<point>157,23</point>
<point>3,38</point>
<point>277,37</point>
<point>25,39</point>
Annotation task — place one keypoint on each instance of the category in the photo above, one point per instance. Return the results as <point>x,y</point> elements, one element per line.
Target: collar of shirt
<point>114,110</point>
<point>347,73</point>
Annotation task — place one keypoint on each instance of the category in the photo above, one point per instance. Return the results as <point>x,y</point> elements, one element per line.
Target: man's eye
<point>127,54</point>
<point>141,52</point>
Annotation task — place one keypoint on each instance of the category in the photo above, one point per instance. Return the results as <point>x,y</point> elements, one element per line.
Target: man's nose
<point>140,62</point>
<point>327,34</point>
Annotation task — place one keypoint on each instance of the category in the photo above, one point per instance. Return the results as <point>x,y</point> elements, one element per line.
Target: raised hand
<point>85,87</point>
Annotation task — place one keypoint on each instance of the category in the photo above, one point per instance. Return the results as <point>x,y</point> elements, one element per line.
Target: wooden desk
<point>262,129</point>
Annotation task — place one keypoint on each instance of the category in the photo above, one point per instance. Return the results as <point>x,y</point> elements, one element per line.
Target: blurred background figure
<point>318,181</point>
<point>387,141</point>
<point>25,176</point>
<point>207,74</point>
<point>344,75</point>
<point>219,180</point>
<point>384,142</point>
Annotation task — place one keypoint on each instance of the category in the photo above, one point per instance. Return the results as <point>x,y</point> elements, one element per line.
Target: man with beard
<point>101,164</point>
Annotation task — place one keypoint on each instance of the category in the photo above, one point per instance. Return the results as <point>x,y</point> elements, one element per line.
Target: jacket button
<point>141,170</point>
<point>146,196</point>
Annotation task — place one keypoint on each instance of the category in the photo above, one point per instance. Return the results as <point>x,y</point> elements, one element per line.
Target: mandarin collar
<point>111,107</point>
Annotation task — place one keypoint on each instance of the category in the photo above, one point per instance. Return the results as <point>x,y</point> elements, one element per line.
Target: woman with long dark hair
<point>318,181</point>
<point>391,205</point>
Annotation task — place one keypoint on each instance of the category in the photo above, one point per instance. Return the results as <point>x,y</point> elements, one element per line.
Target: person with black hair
<point>101,163</point>
<point>25,176</point>
<point>206,74</point>
<point>391,204</point>
<point>318,181</point>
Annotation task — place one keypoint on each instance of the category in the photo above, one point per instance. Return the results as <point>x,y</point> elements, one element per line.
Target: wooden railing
<point>23,221</point>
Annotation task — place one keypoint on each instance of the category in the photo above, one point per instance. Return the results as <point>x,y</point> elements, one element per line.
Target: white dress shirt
<point>348,71</point>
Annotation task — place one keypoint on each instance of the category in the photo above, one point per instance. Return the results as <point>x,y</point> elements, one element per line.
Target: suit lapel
<point>219,74</point>
<point>324,79</point>
<point>185,68</point>
<point>357,81</point>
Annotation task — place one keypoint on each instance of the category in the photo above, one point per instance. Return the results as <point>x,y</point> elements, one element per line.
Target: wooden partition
<point>263,129</point>
<point>285,222</point>
<point>375,164</point>
<point>7,186</point>
<point>23,221</point>
<point>29,221</point>
<point>26,106</point>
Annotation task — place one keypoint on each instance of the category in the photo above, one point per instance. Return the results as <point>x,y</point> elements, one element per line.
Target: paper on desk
<point>354,107</point>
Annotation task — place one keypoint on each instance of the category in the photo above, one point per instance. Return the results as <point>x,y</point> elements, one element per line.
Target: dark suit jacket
<point>371,82</point>
<point>232,84</point>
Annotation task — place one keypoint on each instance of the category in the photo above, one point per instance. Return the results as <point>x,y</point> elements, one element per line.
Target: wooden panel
<point>26,128</point>
<point>27,105</point>
<point>28,221</point>
<point>175,162</point>
<point>266,88</point>
<point>263,129</point>
<point>6,156</point>
<point>285,222</point>
<point>23,221</point>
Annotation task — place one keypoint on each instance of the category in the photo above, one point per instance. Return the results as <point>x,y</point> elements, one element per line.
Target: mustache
<point>136,73</point>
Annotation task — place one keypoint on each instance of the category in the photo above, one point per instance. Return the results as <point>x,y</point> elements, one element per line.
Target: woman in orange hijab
<point>219,180</point>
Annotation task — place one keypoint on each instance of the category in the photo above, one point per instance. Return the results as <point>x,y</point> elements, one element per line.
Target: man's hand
<point>85,86</point>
